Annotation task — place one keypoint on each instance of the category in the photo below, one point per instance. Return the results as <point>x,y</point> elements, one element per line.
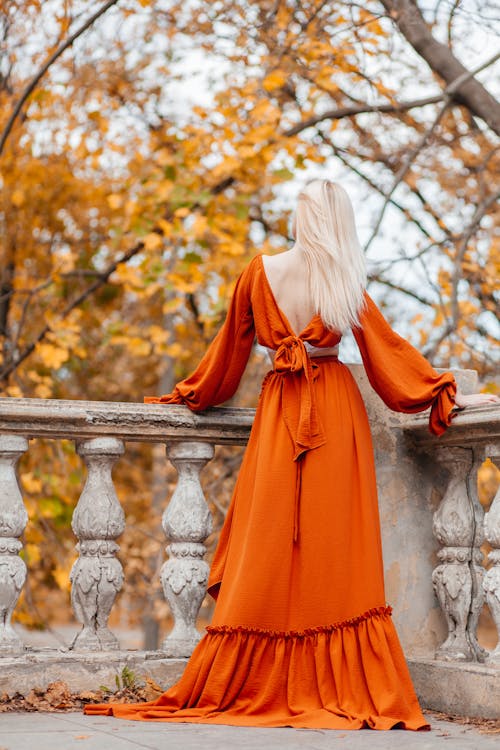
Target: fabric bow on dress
<point>298,406</point>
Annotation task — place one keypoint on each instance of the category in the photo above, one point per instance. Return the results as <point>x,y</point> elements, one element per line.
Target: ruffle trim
<point>306,633</point>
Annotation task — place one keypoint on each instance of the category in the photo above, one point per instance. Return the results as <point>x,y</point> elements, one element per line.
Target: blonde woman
<point>301,634</point>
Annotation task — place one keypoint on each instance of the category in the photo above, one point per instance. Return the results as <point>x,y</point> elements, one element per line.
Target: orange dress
<point>301,634</point>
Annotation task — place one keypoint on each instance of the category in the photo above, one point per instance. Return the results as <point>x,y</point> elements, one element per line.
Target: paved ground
<point>32,731</point>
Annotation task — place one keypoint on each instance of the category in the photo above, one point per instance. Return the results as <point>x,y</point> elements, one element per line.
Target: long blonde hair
<point>326,234</point>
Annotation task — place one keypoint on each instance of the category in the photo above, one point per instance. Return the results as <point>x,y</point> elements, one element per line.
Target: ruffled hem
<point>349,675</point>
<point>286,634</point>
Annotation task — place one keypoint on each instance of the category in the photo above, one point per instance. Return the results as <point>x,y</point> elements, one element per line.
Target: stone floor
<point>65,731</point>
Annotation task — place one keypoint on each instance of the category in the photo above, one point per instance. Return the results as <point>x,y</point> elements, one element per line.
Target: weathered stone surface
<point>491,581</point>
<point>157,423</point>
<point>13,519</point>
<point>187,522</point>
<point>457,579</point>
<point>98,519</point>
<point>463,689</point>
<point>38,668</point>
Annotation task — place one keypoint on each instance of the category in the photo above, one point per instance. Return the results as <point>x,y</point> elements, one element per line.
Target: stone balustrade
<point>461,527</point>
<point>99,430</point>
<point>427,486</point>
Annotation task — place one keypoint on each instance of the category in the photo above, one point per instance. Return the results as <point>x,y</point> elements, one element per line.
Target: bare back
<point>287,276</point>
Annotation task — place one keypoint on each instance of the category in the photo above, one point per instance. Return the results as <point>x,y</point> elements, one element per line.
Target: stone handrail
<point>156,423</point>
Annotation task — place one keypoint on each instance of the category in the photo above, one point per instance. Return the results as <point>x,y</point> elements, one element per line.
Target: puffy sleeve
<point>217,376</point>
<point>401,376</point>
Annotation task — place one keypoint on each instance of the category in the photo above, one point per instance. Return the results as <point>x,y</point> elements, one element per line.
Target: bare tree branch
<point>338,153</point>
<point>102,279</point>
<point>34,81</point>
<point>340,113</point>
<point>391,285</point>
<point>457,270</point>
<point>448,94</point>
<point>402,172</point>
<point>467,90</point>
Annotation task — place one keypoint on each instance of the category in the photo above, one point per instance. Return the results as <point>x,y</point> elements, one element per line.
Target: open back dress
<point>301,633</point>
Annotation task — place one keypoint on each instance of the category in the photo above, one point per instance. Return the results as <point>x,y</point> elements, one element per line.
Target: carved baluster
<point>187,522</point>
<point>98,520</point>
<point>491,580</point>
<point>13,519</point>
<point>457,524</point>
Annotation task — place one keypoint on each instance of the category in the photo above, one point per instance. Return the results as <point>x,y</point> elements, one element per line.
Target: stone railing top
<point>155,423</point>
<point>479,424</point>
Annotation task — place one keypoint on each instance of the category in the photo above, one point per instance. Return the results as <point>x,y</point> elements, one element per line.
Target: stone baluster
<point>13,519</point>
<point>457,580</point>
<point>492,578</point>
<point>187,522</point>
<point>98,520</point>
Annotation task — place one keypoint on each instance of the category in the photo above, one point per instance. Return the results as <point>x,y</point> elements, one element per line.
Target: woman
<point>301,634</point>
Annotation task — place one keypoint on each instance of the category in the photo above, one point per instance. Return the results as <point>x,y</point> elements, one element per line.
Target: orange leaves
<point>18,198</point>
<point>137,346</point>
<point>115,201</point>
<point>274,80</point>
<point>152,241</point>
<point>51,355</point>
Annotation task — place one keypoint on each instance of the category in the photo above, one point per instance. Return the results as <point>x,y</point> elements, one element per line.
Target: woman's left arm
<point>403,377</point>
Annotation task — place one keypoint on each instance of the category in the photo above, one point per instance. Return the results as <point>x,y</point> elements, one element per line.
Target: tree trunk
<point>471,94</point>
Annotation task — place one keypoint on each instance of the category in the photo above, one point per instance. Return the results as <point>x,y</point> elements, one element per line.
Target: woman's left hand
<point>475,399</point>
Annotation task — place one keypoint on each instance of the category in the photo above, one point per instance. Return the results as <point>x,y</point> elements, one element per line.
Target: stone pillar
<point>491,581</point>
<point>187,522</point>
<point>13,519</point>
<point>98,520</point>
<point>457,525</point>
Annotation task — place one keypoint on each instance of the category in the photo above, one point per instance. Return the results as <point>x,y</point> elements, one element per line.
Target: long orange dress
<point>301,634</point>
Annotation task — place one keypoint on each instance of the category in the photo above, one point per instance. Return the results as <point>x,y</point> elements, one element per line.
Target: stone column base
<point>89,671</point>
<point>465,689</point>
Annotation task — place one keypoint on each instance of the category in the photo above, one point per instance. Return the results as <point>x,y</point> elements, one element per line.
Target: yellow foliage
<point>158,335</point>
<point>274,80</point>
<point>488,478</point>
<point>175,350</point>
<point>42,390</point>
<point>31,483</point>
<point>166,227</point>
<point>18,198</point>
<point>51,355</point>
<point>152,241</point>
<point>115,200</point>
<point>138,347</point>
<point>32,553</point>
<point>60,574</point>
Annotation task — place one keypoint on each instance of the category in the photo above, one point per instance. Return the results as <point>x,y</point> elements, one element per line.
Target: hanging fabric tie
<point>298,405</point>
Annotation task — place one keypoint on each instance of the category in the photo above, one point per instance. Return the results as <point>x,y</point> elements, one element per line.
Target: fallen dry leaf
<point>485,726</point>
<point>152,690</point>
